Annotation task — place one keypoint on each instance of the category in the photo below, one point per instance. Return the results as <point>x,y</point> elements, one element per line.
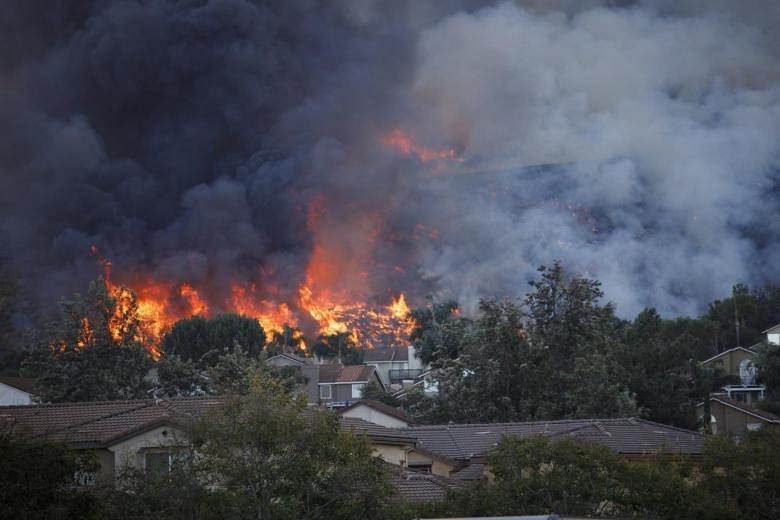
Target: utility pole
<point>736,313</point>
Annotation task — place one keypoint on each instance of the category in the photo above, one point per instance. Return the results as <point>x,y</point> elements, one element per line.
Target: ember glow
<point>403,142</point>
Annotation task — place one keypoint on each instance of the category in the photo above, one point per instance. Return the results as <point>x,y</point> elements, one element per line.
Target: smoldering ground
<point>223,140</point>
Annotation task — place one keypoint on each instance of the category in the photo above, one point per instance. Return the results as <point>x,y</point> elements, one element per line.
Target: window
<point>422,467</point>
<point>159,462</point>
<point>357,390</point>
<point>325,392</point>
<point>751,427</point>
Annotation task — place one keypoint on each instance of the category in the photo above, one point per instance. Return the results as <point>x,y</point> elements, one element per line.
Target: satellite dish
<point>747,372</point>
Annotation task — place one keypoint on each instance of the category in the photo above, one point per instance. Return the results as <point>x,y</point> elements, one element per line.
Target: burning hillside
<point>297,164</point>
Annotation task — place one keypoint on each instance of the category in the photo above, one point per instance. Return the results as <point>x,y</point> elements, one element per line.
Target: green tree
<point>375,392</point>
<point>742,475</point>
<point>37,479</point>
<point>201,340</point>
<point>438,329</point>
<point>655,356</point>
<point>275,459</point>
<point>341,345</point>
<point>93,352</point>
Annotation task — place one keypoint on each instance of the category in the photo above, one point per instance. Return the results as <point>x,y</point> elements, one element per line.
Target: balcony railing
<point>404,374</point>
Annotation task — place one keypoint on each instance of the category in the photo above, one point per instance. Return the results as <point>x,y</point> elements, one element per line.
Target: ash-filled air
<point>233,155</point>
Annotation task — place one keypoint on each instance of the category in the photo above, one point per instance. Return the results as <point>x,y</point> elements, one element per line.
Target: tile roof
<point>380,407</point>
<point>420,487</point>
<point>345,373</point>
<point>471,472</point>
<point>101,423</point>
<point>292,357</point>
<point>25,384</point>
<point>376,431</point>
<point>627,436</point>
<point>380,354</point>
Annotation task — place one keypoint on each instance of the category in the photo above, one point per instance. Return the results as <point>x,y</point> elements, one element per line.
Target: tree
<point>94,351</point>
<point>200,340</point>
<point>289,339</point>
<point>37,479</point>
<point>742,475</point>
<point>341,345</point>
<point>438,328</point>
<point>575,338</point>
<point>275,459</point>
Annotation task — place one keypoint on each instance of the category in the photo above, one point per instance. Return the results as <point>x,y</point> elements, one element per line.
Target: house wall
<point>130,452</point>
<point>13,396</point>
<point>311,373</point>
<point>729,363</point>
<point>382,370</point>
<point>375,416</point>
<point>437,467</point>
<point>106,471</point>
<point>731,420</point>
<point>392,453</point>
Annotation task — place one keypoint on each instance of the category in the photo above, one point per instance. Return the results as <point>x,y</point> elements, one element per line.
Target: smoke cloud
<point>216,141</point>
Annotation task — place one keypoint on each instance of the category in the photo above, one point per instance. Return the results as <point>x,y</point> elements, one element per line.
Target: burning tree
<point>94,351</point>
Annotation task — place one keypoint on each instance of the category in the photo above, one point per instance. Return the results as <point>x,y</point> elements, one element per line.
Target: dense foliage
<point>93,352</point>
<point>539,475</point>
<point>199,339</point>
<point>262,455</point>
<point>562,353</point>
<point>37,476</point>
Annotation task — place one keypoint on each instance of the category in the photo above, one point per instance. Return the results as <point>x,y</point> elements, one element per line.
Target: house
<point>735,417</point>
<point>773,335</point>
<point>135,433</point>
<point>147,433</point>
<point>738,365</point>
<point>461,450</point>
<point>420,487</point>
<point>341,385</point>
<point>307,372</point>
<point>395,364</point>
<point>377,413</point>
<point>16,390</point>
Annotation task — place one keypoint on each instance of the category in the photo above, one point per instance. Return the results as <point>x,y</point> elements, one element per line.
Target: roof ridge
<point>542,421</point>
<point>95,419</point>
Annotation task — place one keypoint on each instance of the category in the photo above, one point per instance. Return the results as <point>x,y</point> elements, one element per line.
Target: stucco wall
<point>391,453</point>
<point>130,452</point>
<point>13,396</point>
<point>731,420</point>
<point>437,467</point>
<point>729,363</point>
<point>375,416</point>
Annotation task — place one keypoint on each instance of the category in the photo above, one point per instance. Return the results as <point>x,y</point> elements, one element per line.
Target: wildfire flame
<point>330,296</point>
<point>404,143</point>
<point>368,325</point>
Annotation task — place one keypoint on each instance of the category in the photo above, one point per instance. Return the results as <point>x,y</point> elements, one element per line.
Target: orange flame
<point>404,143</point>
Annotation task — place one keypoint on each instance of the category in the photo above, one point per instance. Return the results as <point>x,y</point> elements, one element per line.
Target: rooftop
<point>380,407</point>
<point>626,436</point>
<point>345,373</point>
<point>386,354</point>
